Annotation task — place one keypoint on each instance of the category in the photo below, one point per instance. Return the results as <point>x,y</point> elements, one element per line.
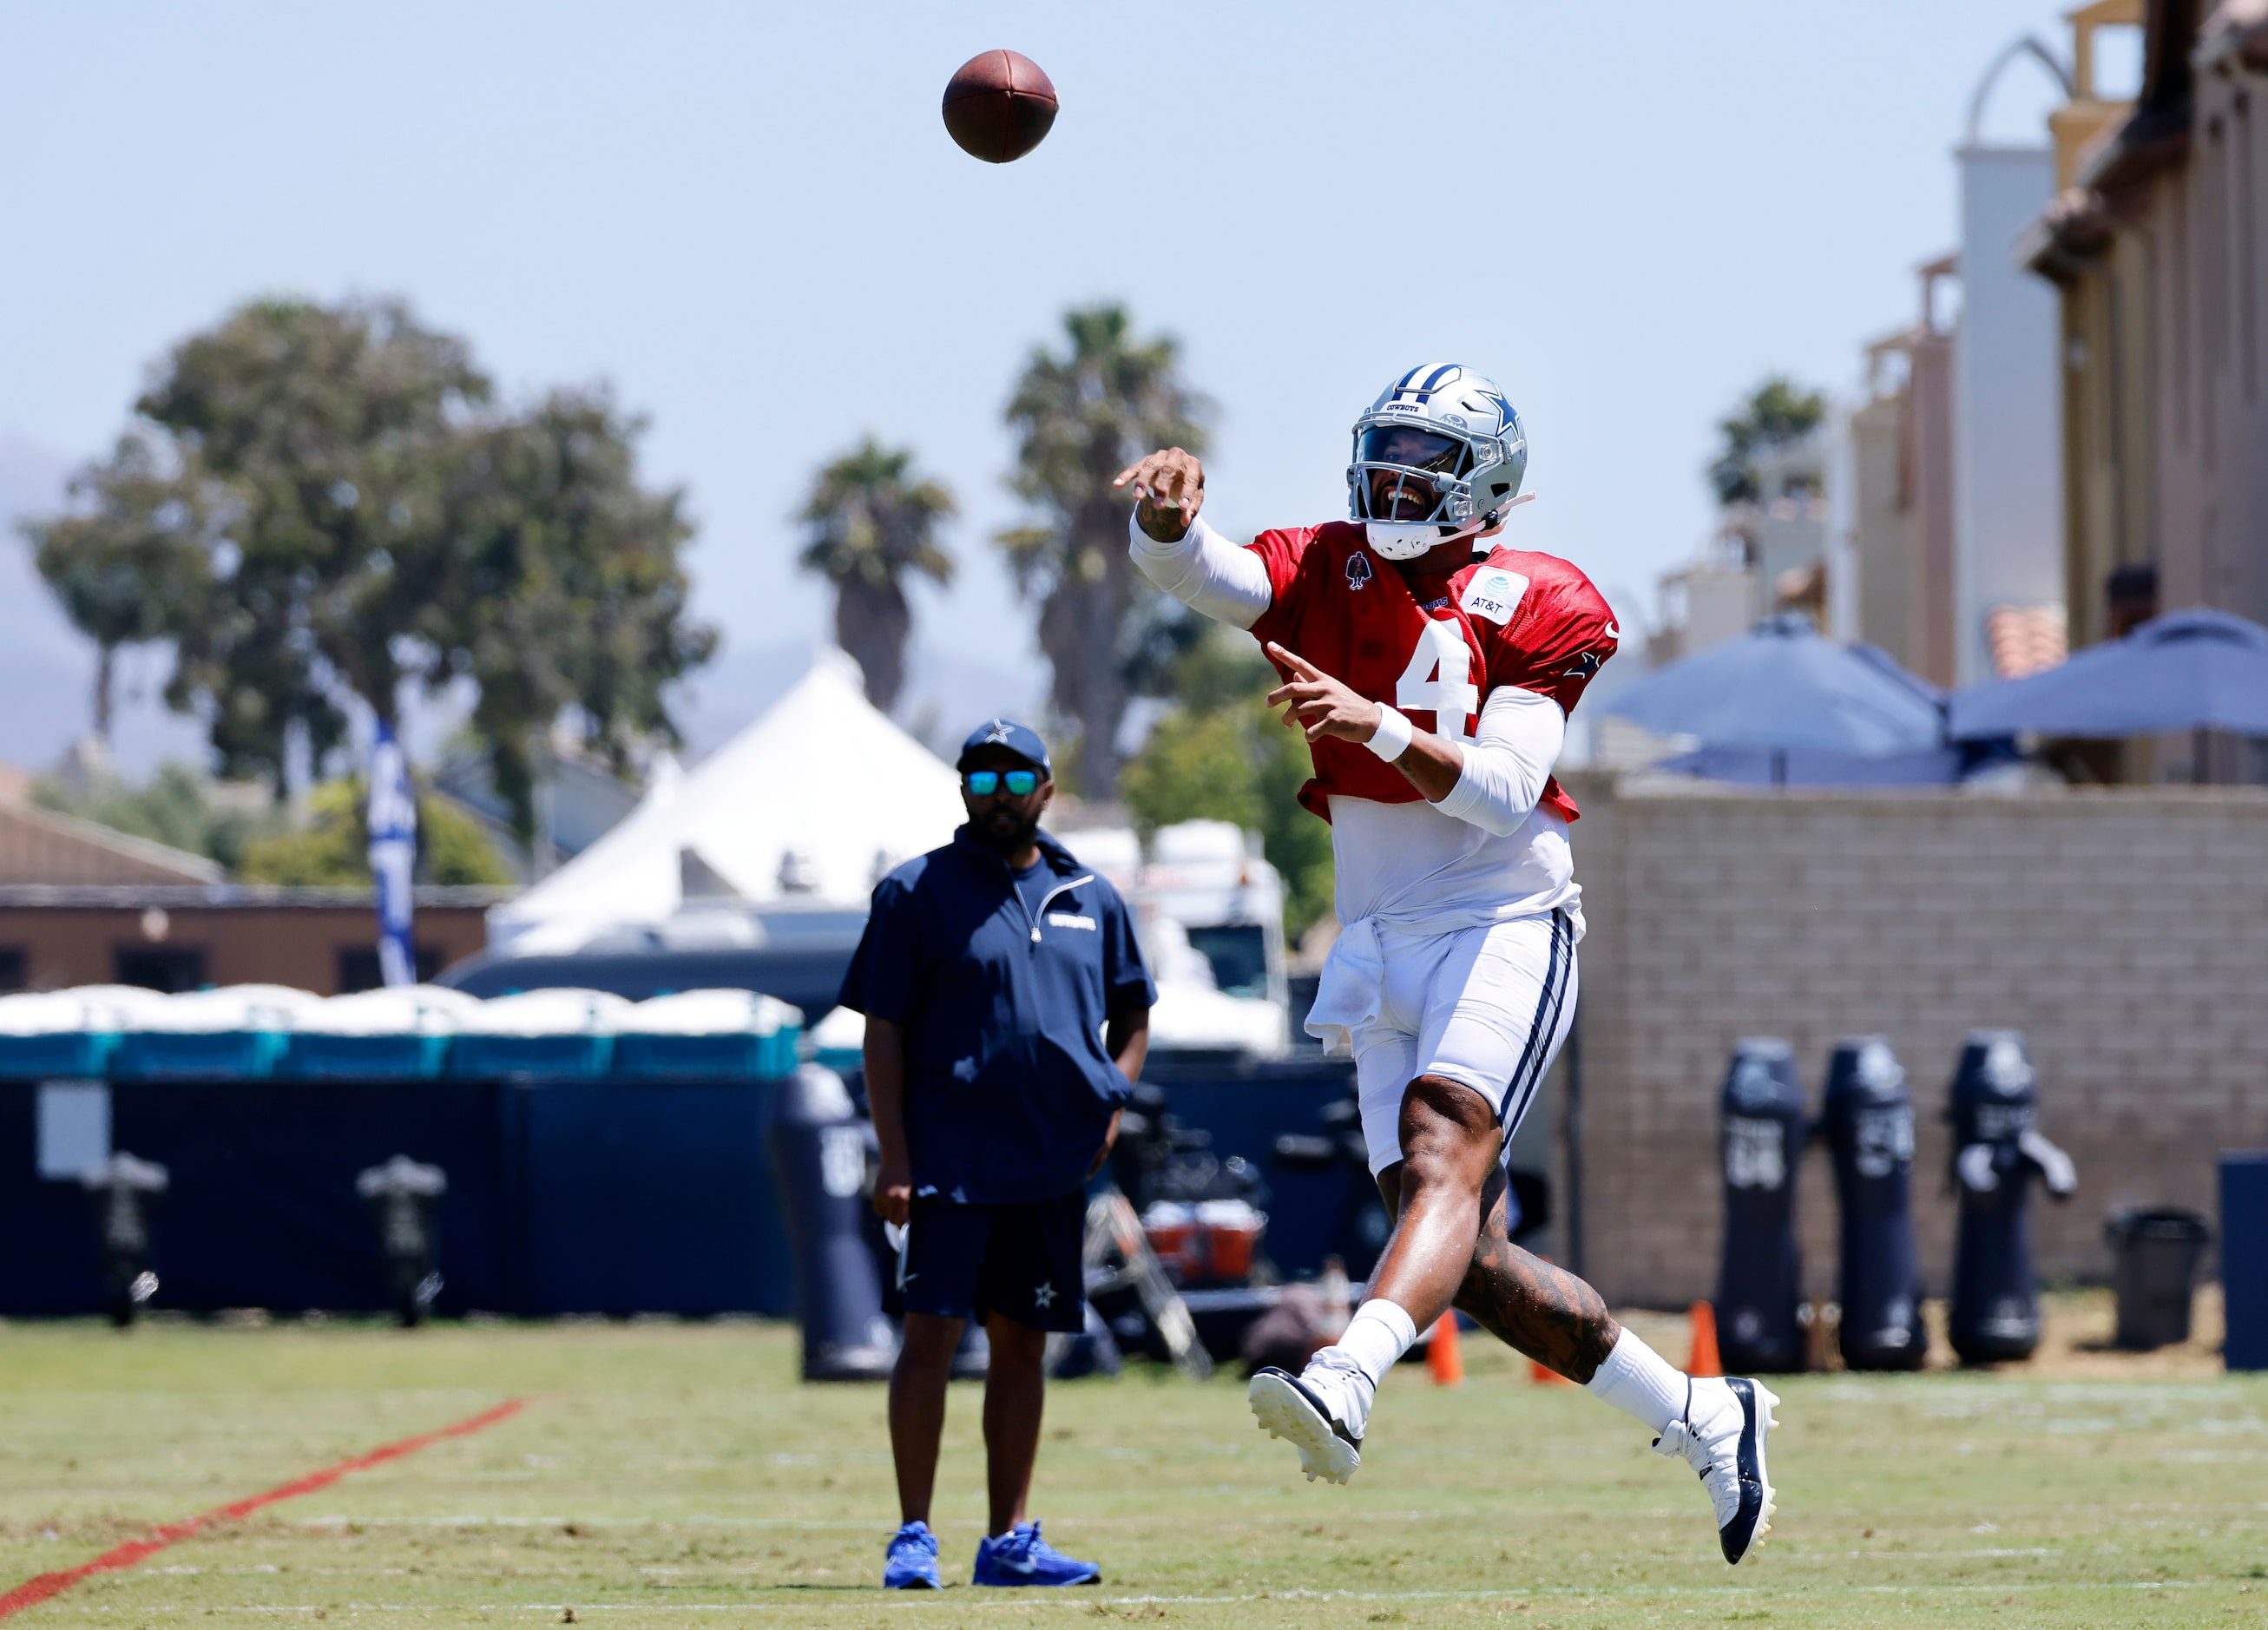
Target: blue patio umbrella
<point>1782,690</point>
<point>2188,670</point>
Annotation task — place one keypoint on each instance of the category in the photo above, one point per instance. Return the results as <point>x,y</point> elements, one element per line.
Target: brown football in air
<point>998,106</point>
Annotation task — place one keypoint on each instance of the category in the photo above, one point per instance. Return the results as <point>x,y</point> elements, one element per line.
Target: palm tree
<point>1080,419</point>
<point>872,521</point>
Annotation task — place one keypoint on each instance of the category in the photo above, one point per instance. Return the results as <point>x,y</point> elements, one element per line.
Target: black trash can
<point>819,1148</point>
<point>1867,1120</point>
<point>1760,1279</point>
<point>2155,1254</point>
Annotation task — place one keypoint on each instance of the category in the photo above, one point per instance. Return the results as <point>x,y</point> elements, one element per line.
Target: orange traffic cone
<point>1545,1376</point>
<point>1703,1359</point>
<point>1443,1359</point>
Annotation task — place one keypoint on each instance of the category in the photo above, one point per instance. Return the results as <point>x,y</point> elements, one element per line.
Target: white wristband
<point>1392,739</point>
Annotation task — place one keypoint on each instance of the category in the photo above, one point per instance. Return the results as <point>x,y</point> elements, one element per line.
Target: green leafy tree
<point>1220,754</point>
<point>332,849</point>
<point>123,567</point>
<point>1080,417</point>
<point>567,595</point>
<point>872,525</point>
<point>1777,412</point>
<point>345,511</point>
<point>176,806</point>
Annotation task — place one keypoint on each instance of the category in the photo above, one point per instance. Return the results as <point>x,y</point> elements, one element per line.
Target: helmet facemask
<point>1434,461</point>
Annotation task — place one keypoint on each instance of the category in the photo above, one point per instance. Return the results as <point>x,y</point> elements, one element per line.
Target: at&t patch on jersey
<point>1494,593</point>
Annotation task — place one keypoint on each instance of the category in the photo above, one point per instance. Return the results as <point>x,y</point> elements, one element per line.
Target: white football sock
<point>1641,1383</point>
<point>1378,1335</point>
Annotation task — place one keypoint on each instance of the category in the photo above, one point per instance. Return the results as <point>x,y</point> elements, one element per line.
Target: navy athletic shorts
<point>1022,1261</point>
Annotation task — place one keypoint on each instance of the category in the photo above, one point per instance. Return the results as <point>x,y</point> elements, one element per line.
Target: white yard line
<point>1082,1599</point>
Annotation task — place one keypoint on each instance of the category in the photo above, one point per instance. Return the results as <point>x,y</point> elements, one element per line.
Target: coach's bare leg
<point>1015,1391</point>
<point>1448,1149</point>
<point>1539,1310</point>
<point>918,1407</point>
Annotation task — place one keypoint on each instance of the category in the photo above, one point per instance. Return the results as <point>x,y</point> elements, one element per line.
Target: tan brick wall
<point>2123,930</point>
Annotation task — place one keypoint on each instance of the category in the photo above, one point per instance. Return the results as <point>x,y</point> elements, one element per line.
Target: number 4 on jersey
<point>1436,681</point>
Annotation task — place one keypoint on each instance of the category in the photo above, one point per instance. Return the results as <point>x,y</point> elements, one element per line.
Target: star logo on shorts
<point>1043,1295</point>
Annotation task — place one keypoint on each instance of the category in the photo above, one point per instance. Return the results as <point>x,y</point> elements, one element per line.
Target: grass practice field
<point>678,1475</point>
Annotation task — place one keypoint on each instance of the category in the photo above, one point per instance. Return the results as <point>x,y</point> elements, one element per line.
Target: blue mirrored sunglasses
<point>984,783</point>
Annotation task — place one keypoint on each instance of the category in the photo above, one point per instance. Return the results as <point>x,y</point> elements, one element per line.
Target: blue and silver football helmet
<point>1439,455</point>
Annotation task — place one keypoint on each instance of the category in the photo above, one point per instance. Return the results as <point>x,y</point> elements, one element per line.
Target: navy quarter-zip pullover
<point>1002,992</point>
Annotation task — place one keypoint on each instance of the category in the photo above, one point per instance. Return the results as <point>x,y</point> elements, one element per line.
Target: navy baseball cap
<point>1020,740</point>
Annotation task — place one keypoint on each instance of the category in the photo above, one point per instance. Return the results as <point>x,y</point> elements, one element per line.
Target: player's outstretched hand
<point>1171,488</point>
<point>1323,705</point>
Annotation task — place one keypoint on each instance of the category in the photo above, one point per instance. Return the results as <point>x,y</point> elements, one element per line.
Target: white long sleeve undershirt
<point>1205,572</point>
<point>1507,761</point>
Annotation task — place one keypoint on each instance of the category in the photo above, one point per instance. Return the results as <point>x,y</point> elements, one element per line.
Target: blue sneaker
<point>1021,1557</point>
<point>911,1563</point>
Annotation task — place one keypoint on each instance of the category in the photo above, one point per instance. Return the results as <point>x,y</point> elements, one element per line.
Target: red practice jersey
<point>1434,648</point>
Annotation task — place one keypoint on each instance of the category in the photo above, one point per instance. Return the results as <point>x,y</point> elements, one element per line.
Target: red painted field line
<point>35,1591</point>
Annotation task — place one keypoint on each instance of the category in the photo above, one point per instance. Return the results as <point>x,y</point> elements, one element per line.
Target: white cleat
<point>1722,1438</point>
<point>1288,1408</point>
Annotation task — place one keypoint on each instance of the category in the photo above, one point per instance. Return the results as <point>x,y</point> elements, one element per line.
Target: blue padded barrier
<point>52,1261</point>
<point>579,1057</point>
<point>646,1197</point>
<point>70,1053</point>
<point>312,1056</point>
<point>705,1057</point>
<point>197,1055</point>
<point>2244,1256</point>
<point>261,1210</point>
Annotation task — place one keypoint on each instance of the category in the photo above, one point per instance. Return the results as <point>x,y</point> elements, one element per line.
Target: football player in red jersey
<point>1433,670</point>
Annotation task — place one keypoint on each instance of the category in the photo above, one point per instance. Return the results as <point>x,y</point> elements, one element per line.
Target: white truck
<point>1209,912</point>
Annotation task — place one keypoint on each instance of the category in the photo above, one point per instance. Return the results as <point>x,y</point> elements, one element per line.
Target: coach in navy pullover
<point>1002,987</point>
<point>1007,1011</point>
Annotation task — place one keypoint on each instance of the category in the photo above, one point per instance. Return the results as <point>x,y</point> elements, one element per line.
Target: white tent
<point>809,805</point>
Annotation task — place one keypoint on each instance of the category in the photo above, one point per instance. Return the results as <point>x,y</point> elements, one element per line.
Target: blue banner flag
<point>392,854</point>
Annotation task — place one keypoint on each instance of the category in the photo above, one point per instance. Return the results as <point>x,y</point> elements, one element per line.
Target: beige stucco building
<point>1892,561</point>
<point>2155,244</point>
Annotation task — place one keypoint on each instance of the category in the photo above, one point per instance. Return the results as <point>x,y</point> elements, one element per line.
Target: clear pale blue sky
<point>749,219</point>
